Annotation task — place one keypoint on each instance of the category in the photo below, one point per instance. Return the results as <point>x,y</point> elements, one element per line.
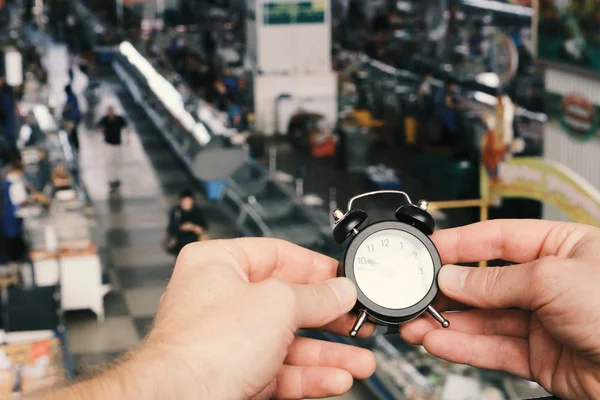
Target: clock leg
<point>360,321</point>
<point>438,317</point>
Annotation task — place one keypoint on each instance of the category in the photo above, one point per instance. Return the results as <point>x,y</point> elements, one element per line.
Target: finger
<point>512,240</point>
<point>259,259</point>
<point>310,383</point>
<point>321,303</point>
<point>503,353</point>
<point>513,323</point>
<point>343,325</point>
<point>305,352</point>
<point>526,286</point>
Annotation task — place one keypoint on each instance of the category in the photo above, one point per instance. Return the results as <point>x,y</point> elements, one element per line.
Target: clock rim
<point>388,315</point>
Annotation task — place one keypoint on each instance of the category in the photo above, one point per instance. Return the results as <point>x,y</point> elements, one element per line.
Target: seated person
<point>55,179</point>
<point>187,223</point>
<point>42,177</point>
<point>61,178</point>
<point>30,133</point>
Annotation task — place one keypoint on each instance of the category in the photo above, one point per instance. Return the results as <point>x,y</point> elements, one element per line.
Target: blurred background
<point>129,128</point>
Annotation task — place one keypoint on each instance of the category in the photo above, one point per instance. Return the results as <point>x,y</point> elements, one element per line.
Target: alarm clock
<point>394,264</point>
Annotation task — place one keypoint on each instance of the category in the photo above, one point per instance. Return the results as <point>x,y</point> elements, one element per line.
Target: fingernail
<point>452,278</point>
<point>344,289</point>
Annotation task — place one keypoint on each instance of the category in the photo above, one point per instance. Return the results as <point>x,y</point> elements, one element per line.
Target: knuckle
<point>490,279</point>
<point>543,269</point>
<point>188,252</point>
<point>545,279</point>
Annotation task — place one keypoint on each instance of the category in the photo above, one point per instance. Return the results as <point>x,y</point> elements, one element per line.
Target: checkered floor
<point>131,226</point>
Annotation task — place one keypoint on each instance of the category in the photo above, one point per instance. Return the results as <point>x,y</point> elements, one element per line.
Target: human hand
<point>227,320</point>
<point>187,227</point>
<point>538,319</point>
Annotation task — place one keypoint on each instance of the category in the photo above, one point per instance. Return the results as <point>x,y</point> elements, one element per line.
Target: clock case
<point>410,218</point>
<point>376,313</point>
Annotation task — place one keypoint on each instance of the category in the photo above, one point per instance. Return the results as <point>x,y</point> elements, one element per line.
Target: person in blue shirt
<point>72,115</point>
<point>234,114</point>
<point>14,195</point>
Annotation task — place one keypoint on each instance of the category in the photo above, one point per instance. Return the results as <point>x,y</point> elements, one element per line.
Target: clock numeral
<point>420,270</point>
<point>371,248</point>
<point>414,254</point>
<point>362,260</point>
<point>385,243</point>
<point>402,245</point>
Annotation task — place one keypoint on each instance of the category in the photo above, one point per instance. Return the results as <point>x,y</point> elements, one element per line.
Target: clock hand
<point>374,263</point>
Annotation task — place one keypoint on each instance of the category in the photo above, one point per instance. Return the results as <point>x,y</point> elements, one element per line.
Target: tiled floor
<point>131,226</point>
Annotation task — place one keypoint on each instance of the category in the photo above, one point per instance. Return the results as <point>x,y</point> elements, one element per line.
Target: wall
<point>322,88</point>
<point>583,157</point>
<point>295,48</point>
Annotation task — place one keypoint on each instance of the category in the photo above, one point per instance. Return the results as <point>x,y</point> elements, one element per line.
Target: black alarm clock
<point>394,264</point>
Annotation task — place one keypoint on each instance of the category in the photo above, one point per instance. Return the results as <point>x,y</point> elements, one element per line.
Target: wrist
<point>150,373</point>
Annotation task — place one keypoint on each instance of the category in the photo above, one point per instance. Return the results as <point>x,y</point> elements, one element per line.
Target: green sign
<point>295,12</point>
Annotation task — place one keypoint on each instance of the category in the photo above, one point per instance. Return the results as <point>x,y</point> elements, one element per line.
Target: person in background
<point>30,133</point>
<point>426,97</point>
<point>14,197</point>
<point>44,172</point>
<point>220,100</point>
<point>60,181</point>
<point>209,44</point>
<point>61,178</point>
<point>112,126</point>
<point>72,115</point>
<point>234,114</point>
<point>8,118</point>
<point>477,39</point>
<point>449,117</point>
<point>187,223</point>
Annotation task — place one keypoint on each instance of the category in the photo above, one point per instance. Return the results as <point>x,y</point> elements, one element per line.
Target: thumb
<point>320,303</point>
<point>498,287</point>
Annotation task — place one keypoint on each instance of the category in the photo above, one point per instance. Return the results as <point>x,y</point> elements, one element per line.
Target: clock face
<point>394,269</point>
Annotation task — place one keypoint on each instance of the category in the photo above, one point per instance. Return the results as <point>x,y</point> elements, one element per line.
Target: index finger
<point>259,259</point>
<point>518,241</point>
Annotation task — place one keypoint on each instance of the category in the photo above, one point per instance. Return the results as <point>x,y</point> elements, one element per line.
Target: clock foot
<point>438,317</point>
<point>360,321</point>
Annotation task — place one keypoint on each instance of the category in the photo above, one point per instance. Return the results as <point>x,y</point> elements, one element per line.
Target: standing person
<point>7,113</point>
<point>72,115</point>
<point>14,196</point>
<point>426,98</point>
<point>187,223</point>
<point>113,125</point>
<point>234,114</point>
<point>450,115</point>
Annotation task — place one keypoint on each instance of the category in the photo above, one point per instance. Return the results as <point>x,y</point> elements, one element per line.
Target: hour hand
<point>374,263</point>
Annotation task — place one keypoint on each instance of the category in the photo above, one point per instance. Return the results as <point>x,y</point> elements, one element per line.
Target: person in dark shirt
<point>112,126</point>
<point>187,223</point>
<point>8,117</point>
<point>72,116</point>
<point>449,114</point>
